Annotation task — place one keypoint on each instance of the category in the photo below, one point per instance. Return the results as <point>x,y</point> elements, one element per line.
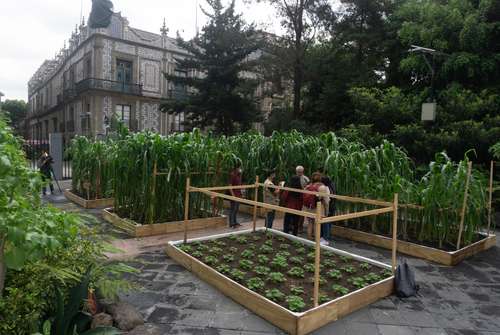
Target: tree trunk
<point>2,264</point>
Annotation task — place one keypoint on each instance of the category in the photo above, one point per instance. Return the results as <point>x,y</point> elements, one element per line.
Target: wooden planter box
<point>417,250</point>
<point>292,323</point>
<point>97,203</point>
<point>138,230</point>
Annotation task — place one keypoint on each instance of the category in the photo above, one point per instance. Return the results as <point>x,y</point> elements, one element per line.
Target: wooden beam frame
<point>317,216</point>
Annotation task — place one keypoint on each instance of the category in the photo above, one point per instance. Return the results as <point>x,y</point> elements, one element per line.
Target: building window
<point>123,71</point>
<point>177,123</point>
<point>122,114</point>
<point>88,65</point>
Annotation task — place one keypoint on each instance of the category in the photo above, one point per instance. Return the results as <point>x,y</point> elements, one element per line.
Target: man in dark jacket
<point>45,166</point>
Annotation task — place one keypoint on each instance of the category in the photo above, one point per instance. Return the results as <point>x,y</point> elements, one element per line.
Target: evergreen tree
<point>222,59</point>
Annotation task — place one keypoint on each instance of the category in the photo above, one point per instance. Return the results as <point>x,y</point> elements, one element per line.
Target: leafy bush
<point>295,303</point>
<point>224,268</point>
<point>329,263</point>
<point>241,239</point>
<point>186,248</point>
<point>216,250</point>
<point>237,275</point>
<point>357,282</point>
<point>210,260</point>
<point>372,277</point>
<point>247,253</point>
<point>228,258</point>
<point>265,249</point>
<point>348,269</point>
<point>365,266</point>
<point>301,250</point>
<point>296,272</point>
<point>334,274</point>
<point>297,260</point>
<point>233,250</point>
<point>340,289</point>
<point>262,259</point>
<point>310,267</point>
<point>275,295</point>
<point>276,277</point>
<point>262,270</point>
<point>197,254</point>
<point>219,243</point>
<point>284,246</point>
<point>255,283</point>
<point>279,262</point>
<point>246,264</point>
<point>297,290</point>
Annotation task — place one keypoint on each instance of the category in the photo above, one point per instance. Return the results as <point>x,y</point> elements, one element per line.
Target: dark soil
<point>254,245</point>
<point>447,246</point>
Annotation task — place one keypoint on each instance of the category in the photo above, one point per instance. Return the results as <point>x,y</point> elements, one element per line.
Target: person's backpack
<point>405,281</point>
<point>310,200</point>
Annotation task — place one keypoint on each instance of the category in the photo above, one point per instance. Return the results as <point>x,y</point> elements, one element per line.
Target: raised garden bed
<point>139,230</point>
<point>271,273</point>
<point>420,251</point>
<point>95,203</point>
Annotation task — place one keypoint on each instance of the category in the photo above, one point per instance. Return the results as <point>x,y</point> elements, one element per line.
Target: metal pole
<point>492,167</point>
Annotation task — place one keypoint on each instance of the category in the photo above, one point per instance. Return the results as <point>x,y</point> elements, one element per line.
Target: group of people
<point>292,223</point>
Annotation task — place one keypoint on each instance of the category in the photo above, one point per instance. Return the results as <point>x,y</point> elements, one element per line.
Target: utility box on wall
<point>429,111</point>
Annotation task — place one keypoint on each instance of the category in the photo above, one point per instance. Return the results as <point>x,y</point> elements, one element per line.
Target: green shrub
<point>275,295</point>
<point>255,284</point>
<point>295,303</point>
<point>276,277</point>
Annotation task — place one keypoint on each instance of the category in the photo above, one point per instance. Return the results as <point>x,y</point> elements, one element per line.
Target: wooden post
<point>466,194</point>
<point>317,223</point>
<point>492,167</point>
<point>395,232</point>
<point>186,208</point>
<point>256,197</point>
<point>153,192</point>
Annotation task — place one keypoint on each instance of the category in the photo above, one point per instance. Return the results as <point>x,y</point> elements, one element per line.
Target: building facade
<point>106,74</point>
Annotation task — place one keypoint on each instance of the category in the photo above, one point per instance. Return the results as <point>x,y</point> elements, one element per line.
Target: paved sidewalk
<point>460,300</point>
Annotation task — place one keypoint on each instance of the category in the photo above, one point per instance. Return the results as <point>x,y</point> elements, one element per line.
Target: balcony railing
<point>102,84</point>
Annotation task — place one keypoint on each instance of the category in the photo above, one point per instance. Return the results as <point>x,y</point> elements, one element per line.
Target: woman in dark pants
<point>292,200</point>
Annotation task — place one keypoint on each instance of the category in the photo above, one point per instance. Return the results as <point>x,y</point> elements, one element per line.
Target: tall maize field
<point>375,173</point>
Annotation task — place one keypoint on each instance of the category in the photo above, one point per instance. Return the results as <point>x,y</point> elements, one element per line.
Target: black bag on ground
<point>405,281</point>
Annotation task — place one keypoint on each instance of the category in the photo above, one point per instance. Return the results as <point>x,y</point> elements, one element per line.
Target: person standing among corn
<point>271,196</point>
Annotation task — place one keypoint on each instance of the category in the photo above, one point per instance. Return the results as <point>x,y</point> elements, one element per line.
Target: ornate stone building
<point>105,73</point>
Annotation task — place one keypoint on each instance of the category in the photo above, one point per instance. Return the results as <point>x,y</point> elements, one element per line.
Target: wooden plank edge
<point>94,203</point>
<point>137,230</point>
<point>449,258</point>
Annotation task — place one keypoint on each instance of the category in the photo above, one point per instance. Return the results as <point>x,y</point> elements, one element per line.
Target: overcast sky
<point>34,30</point>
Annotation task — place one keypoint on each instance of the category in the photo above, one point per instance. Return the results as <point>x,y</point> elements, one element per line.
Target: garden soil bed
<point>139,230</point>
<point>445,257</point>
<point>271,273</point>
<point>95,203</point>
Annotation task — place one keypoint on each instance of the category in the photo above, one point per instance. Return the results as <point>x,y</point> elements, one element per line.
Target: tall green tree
<point>223,56</point>
<point>16,111</point>
<point>303,22</point>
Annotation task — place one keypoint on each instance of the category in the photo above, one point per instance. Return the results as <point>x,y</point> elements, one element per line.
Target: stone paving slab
<point>463,300</point>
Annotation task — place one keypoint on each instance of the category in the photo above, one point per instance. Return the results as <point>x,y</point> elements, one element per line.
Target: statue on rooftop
<point>100,15</point>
